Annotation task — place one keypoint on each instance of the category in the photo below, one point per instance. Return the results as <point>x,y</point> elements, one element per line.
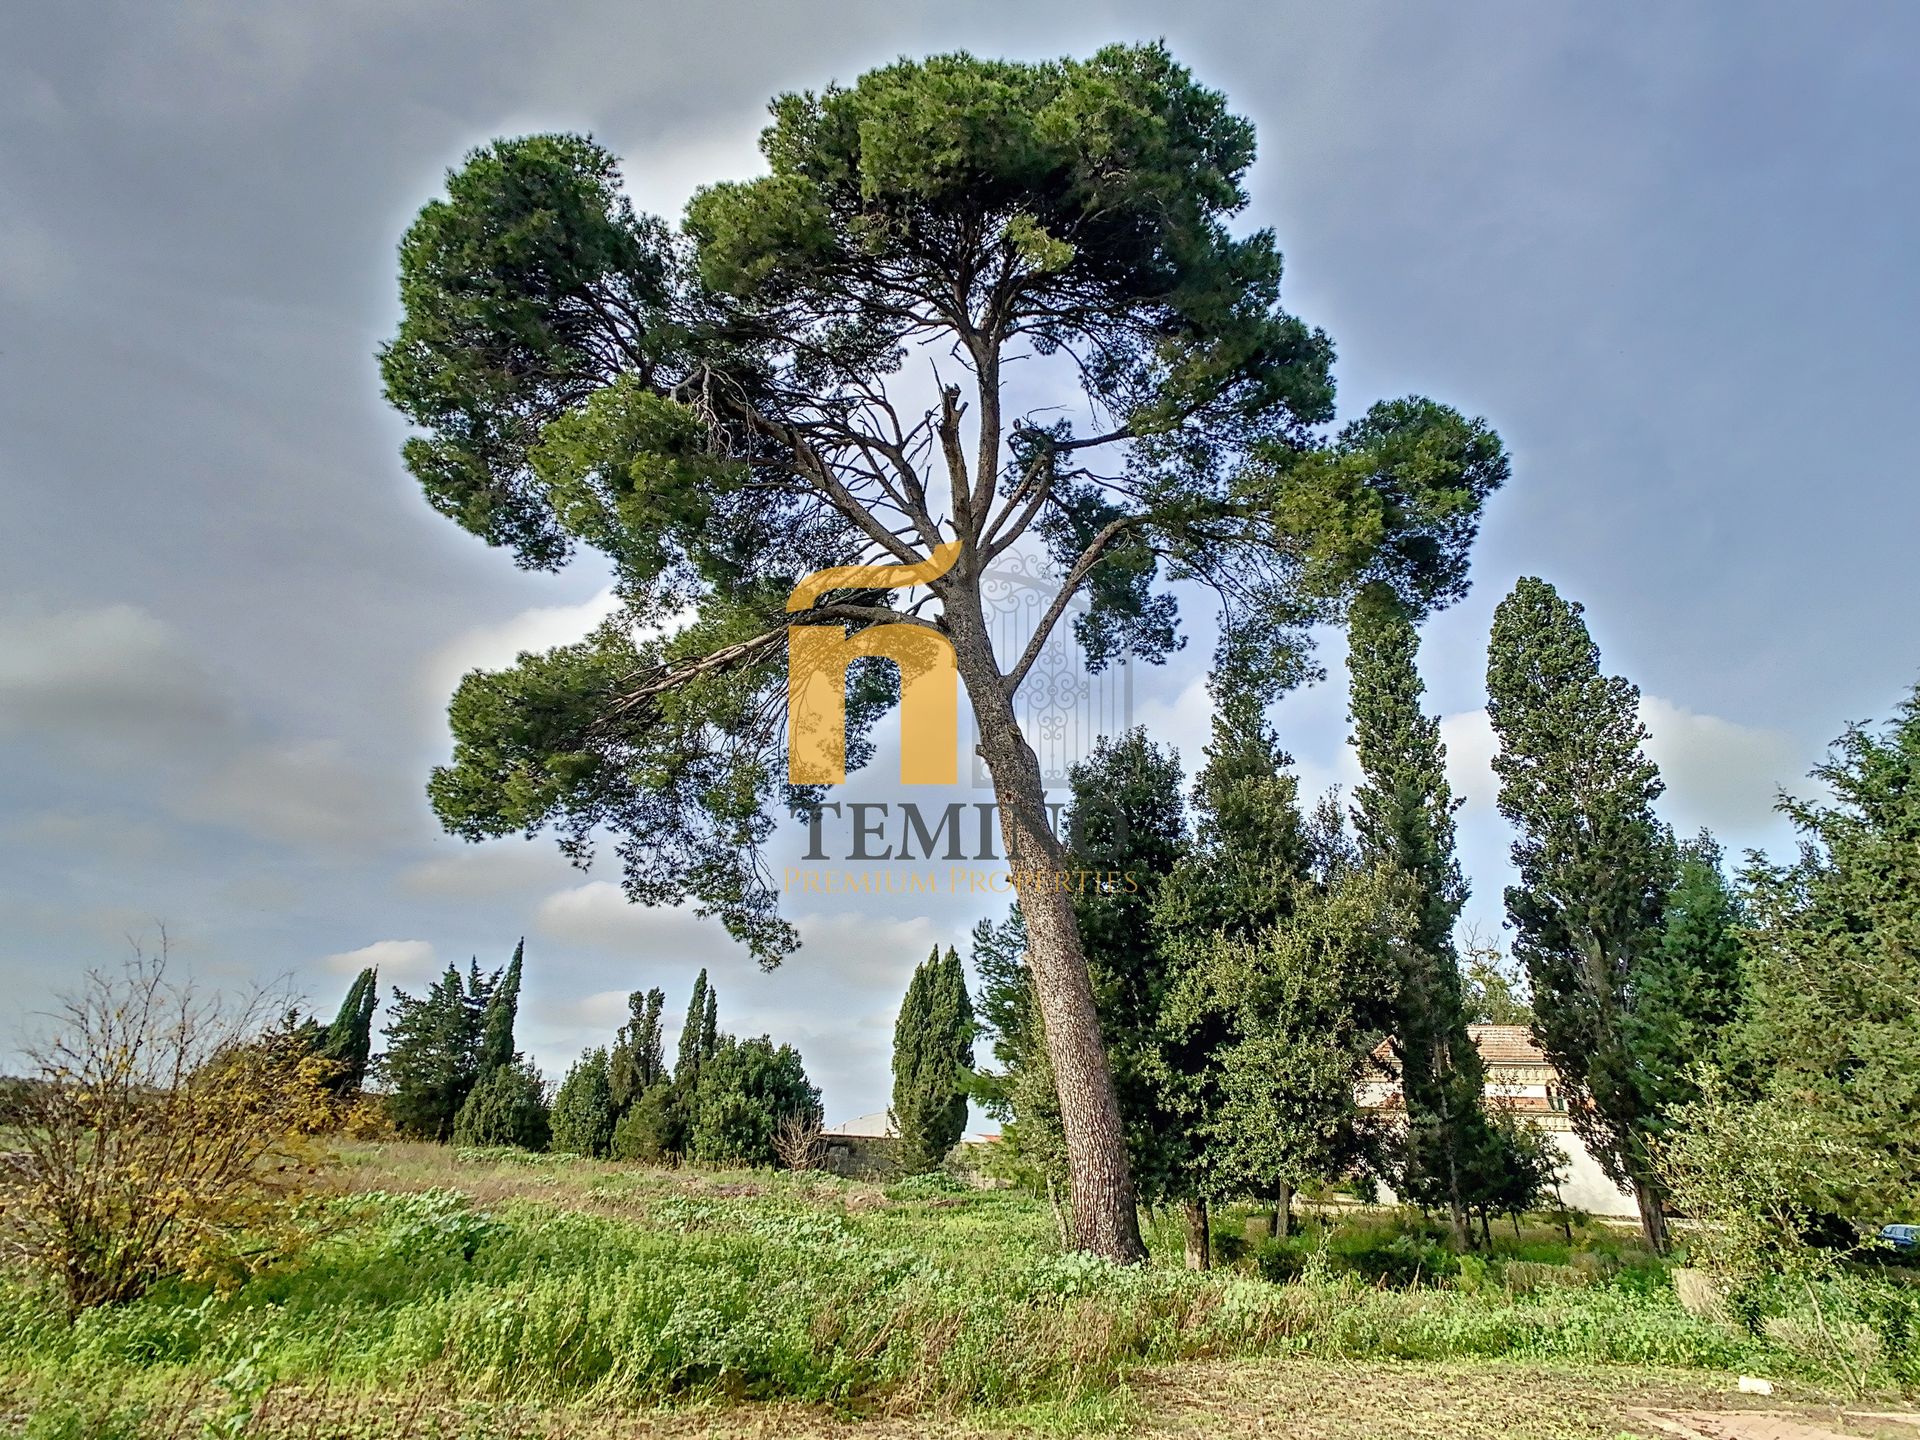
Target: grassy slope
<point>562,1297</point>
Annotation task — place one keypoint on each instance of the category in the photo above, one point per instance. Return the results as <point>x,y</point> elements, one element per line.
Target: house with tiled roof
<point>1520,1079</point>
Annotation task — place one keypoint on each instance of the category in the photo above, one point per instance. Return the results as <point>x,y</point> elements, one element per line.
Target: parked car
<point>1901,1237</point>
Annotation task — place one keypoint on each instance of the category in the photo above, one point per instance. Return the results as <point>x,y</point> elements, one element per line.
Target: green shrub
<point>507,1107</point>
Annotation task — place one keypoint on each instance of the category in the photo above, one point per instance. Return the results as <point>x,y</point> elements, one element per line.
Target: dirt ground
<point>1298,1399</point>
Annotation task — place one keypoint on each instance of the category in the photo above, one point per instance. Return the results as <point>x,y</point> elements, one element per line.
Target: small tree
<point>157,1128</point>
<point>1299,1007</point>
<point>507,1106</point>
<point>748,1089</point>
<point>1687,993</point>
<point>655,1127</point>
<point>582,1115</point>
<point>932,1056</point>
<point>1760,1179</point>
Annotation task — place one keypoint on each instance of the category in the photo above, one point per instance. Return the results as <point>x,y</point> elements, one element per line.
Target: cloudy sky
<point>1668,251</point>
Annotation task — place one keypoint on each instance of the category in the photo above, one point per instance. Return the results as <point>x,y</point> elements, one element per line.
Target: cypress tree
<point>710,1026</point>
<point>1594,867</point>
<point>932,1048</point>
<point>686,1060</point>
<point>636,1064</point>
<point>348,1042</point>
<point>1687,994</point>
<point>1404,818</point>
<point>496,1027</point>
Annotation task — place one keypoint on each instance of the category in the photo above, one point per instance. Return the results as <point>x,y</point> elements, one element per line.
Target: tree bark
<point>1653,1217</point>
<point>1199,1236</point>
<point>1105,1221</point>
<point>1280,1227</point>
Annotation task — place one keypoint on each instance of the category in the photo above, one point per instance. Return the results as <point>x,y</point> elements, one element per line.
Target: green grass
<point>482,1276</point>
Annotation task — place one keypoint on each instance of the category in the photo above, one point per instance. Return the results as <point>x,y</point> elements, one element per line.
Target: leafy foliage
<point>747,1088</point>
<point>582,1114</point>
<point>1833,1020</point>
<point>159,1134</point>
<point>507,1106</point>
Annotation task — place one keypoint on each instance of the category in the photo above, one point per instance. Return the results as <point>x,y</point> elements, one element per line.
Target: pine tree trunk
<point>1199,1236</point>
<point>1653,1218</point>
<point>1281,1226</point>
<point>1105,1221</point>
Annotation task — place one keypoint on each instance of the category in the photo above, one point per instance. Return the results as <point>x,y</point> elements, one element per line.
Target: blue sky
<point>1667,251</point>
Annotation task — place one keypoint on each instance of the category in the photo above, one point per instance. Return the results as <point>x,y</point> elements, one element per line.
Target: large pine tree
<point>1403,815</point>
<point>1595,865</point>
<point>932,1054</point>
<point>715,409</point>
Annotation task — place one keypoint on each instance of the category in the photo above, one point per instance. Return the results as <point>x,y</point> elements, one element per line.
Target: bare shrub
<point>798,1141</point>
<point>157,1127</point>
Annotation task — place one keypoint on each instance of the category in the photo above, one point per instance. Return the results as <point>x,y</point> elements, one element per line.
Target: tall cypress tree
<point>637,1063</point>
<point>710,1026</point>
<point>496,1026</point>
<point>686,1060</point>
<point>1594,864</point>
<point>1404,817</point>
<point>348,1042</point>
<point>932,1050</point>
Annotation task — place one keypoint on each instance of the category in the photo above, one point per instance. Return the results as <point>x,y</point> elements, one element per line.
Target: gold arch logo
<point>817,661</point>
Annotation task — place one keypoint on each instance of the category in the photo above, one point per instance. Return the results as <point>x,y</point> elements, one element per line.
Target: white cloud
<point>496,646</point>
<point>114,683</point>
<point>1719,773</point>
<point>1471,745</point>
<point>308,793</point>
<point>487,871</point>
<point>395,959</point>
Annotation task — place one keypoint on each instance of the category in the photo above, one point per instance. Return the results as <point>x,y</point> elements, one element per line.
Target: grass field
<point>453,1293</point>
